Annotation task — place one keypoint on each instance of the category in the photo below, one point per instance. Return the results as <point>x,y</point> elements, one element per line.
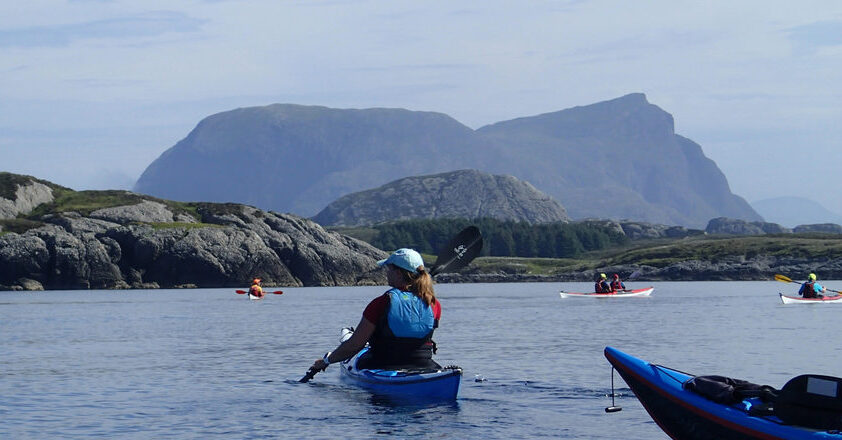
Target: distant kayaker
<point>398,324</point>
<point>811,289</point>
<point>255,288</point>
<point>601,285</point>
<point>617,283</point>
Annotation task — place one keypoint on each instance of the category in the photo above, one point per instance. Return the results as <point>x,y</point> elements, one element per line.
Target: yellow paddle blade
<point>779,277</point>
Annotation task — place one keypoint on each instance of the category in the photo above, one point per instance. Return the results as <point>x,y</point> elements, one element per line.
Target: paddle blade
<point>240,292</point>
<point>278,292</point>
<point>779,277</point>
<point>310,374</point>
<point>459,252</point>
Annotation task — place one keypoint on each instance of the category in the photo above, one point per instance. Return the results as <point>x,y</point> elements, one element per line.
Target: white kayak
<point>437,383</point>
<point>646,291</point>
<point>786,299</point>
<point>255,296</point>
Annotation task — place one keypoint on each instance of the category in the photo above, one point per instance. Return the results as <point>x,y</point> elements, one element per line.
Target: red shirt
<point>378,307</point>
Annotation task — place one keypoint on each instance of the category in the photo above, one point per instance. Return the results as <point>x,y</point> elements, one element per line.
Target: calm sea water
<point>208,363</point>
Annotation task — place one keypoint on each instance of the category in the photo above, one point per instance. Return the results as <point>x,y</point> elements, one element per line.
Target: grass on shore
<point>664,252</point>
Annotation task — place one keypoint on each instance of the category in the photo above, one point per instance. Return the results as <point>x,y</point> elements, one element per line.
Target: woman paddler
<point>398,324</point>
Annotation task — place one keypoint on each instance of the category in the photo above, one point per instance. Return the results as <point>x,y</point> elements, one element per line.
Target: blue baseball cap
<point>405,259</point>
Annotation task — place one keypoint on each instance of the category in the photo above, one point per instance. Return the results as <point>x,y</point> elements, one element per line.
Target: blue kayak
<point>427,384</point>
<point>686,415</point>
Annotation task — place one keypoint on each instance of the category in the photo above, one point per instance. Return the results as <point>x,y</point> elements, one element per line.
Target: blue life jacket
<point>602,286</point>
<point>409,316</point>
<point>404,334</point>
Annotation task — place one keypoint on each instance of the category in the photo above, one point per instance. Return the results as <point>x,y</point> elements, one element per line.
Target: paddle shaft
<point>277,292</point>
<point>310,374</point>
<point>785,279</point>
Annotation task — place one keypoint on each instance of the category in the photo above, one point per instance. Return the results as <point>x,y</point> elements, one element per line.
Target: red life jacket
<point>616,285</point>
<point>602,286</point>
<point>809,289</point>
<point>256,291</point>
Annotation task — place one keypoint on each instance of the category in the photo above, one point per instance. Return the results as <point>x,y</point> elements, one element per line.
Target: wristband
<point>324,359</point>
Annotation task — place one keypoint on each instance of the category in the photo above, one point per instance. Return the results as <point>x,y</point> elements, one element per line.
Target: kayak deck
<point>440,383</point>
<point>786,299</point>
<point>684,414</point>
<point>646,291</point>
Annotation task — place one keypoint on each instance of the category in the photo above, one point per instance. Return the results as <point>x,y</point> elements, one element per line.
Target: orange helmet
<point>256,281</point>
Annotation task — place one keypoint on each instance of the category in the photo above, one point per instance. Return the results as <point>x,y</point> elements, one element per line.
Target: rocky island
<point>56,238</point>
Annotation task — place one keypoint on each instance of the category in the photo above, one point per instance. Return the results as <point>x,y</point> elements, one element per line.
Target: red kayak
<point>646,291</point>
<point>245,292</point>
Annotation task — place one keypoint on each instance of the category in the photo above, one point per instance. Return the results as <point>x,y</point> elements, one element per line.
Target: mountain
<point>617,159</point>
<point>457,194</point>
<point>794,211</point>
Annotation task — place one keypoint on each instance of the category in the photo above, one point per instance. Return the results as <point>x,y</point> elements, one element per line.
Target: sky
<point>92,91</point>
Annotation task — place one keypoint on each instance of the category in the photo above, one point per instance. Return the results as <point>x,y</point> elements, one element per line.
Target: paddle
<point>458,253</point>
<point>785,279</point>
<point>460,250</point>
<point>277,292</point>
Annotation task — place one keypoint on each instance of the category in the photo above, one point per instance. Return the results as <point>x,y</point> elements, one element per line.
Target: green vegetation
<point>85,202</point>
<point>589,247</point>
<point>9,184</point>
<point>503,239</point>
<point>18,225</point>
<point>361,233</point>
<point>720,248</point>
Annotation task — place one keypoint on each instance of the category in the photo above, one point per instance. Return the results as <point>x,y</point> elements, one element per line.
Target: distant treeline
<point>500,238</point>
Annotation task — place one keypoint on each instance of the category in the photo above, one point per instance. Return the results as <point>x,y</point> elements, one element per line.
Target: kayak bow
<point>684,414</point>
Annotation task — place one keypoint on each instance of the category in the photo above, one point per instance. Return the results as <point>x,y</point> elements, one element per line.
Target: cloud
<point>809,37</point>
<point>149,24</point>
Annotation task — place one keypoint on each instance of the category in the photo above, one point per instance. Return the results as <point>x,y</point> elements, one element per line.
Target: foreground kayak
<point>684,414</point>
<point>786,299</point>
<point>254,296</point>
<point>433,384</point>
<point>620,294</point>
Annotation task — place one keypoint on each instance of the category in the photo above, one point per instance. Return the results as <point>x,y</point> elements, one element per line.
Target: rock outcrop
<point>459,194</point>
<point>643,231</point>
<point>829,228</point>
<point>73,252</point>
<point>146,211</point>
<point>148,245</point>
<point>730,226</point>
<point>25,199</point>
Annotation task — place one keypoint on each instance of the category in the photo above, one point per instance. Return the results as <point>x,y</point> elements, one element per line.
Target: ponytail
<point>420,283</point>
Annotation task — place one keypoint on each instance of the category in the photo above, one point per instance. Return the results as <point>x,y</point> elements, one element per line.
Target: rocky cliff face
<point>459,194</point>
<point>730,226</point>
<point>619,159</point>
<point>722,225</point>
<point>25,199</point>
<point>147,245</point>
